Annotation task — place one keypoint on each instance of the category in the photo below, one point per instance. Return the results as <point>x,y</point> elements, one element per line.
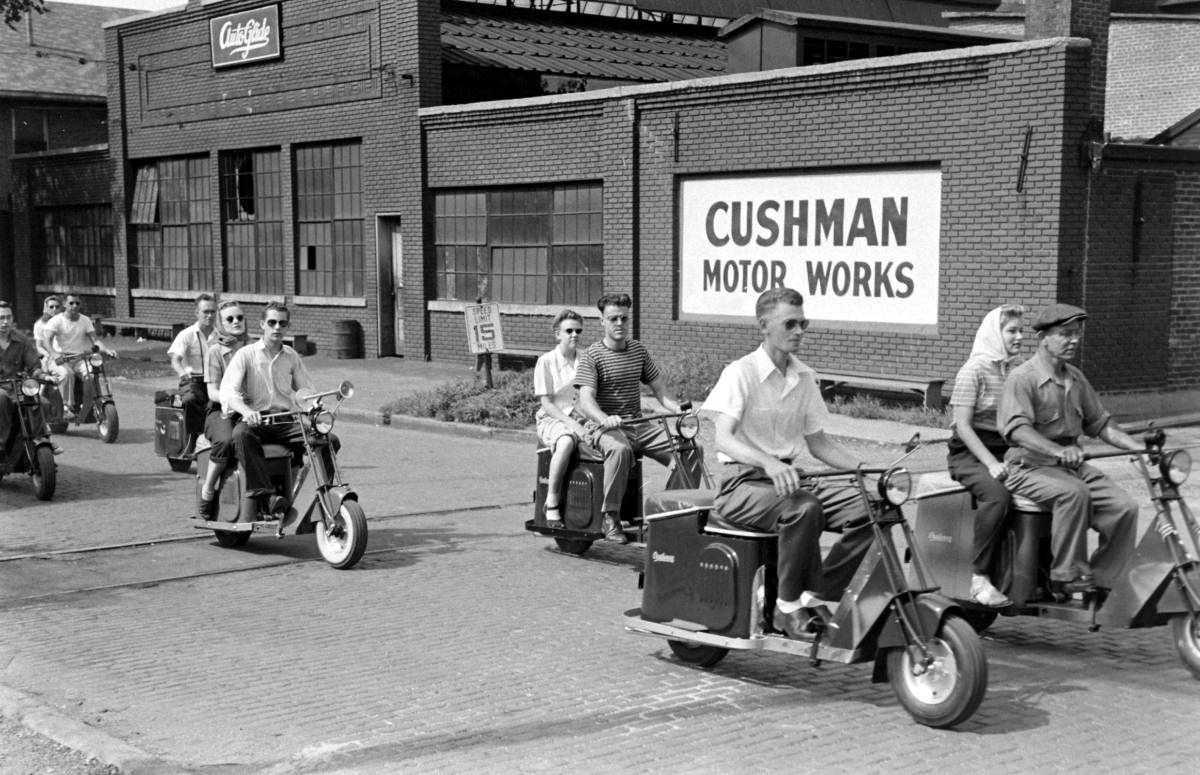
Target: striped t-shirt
<point>979,384</point>
<point>616,376</point>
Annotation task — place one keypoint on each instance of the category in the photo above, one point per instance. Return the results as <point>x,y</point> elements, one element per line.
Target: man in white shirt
<point>768,411</point>
<point>71,333</point>
<point>263,378</point>
<point>188,354</point>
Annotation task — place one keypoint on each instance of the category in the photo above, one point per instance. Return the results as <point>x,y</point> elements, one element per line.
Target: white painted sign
<point>483,328</point>
<point>244,37</point>
<point>859,246</point>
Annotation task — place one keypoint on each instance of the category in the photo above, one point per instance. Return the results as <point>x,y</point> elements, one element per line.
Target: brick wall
<point>966,111</point>
<point>1154,76</point>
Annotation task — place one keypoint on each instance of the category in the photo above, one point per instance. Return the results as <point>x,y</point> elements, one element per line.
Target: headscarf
<point>989,342</point>
<point>225,337</point>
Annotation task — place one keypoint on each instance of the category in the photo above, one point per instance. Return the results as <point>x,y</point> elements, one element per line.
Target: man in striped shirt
<point>610,375</point>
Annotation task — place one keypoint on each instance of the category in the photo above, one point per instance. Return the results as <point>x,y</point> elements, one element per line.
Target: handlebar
<point>653,417</point>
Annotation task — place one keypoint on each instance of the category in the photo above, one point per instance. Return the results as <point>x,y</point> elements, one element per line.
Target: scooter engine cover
<point>716,586</point>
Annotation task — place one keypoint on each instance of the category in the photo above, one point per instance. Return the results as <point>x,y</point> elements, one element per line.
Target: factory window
<point>252,221</point>
<point>76,246</point>
<point>171,215</point>
<point>529,245</point>
<point>329,220</point>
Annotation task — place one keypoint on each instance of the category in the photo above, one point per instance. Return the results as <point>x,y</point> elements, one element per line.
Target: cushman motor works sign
<point>860,246</point>
<point>248,36</point>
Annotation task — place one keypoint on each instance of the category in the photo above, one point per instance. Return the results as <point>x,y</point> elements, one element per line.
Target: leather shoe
<point>800,624</point>
<point>208,508</point>
<point>612,530</point>
<point>1061,590</point>
<point>983,593</point>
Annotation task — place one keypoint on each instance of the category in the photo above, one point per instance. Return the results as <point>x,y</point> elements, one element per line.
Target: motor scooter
<point>1159,583</point>
<point>333,514</point>
<point>93,396</point>
<point>29,449</point>
<point>709,587</point>
<point>583,484</point>
<point>171,439</point>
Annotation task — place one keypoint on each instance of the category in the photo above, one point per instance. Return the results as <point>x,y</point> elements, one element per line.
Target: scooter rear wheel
<point>343,545</point>
<point>1185,629</point>
<point>978,619</point>
<point>948,691</point>
<point>232,539</point>
<point>45,474</point>
<point>575,546</point>
<point>698,654</point>
<point>179,464</point>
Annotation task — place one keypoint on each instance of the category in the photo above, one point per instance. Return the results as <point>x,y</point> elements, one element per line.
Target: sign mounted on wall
<point>860,246</point>
<point>244,37</point>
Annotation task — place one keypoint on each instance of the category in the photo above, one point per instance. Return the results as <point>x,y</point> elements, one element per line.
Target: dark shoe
<point>1062,590</point>
<point>273,505</point>
<point>801,624</point>
<point>208,508</point>
<point>612,530</point>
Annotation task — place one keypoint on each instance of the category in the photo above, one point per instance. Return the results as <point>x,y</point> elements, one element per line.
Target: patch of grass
<point>870,407</point>
<point>691,377</point>
<point>510,404</point>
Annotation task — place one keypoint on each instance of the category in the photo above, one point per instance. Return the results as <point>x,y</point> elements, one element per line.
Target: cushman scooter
<point>333,514</point>
<point>709,586</point>
<point>93,396</point>
<point>1159,583</point>
<point>29,449</point>
<point>171,439</point>
<point>583,485</point>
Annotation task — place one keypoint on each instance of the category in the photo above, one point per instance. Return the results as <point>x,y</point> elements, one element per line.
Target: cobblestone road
<point>462,643</point>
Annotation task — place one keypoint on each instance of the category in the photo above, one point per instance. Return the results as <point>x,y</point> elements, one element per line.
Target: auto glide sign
<point>244,37</point>
<point>860,246</point>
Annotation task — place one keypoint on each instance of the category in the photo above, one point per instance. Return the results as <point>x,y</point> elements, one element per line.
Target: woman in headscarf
<point>976,458</point>
<point>228,336</point>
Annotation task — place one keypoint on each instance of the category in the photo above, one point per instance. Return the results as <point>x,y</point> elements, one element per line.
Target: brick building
<point>349,167</point>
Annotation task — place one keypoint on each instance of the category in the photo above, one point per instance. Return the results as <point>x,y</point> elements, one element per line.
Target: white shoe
<point>983,593</point>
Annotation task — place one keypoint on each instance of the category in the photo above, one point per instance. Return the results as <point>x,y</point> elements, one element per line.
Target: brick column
<point>1076,19</point>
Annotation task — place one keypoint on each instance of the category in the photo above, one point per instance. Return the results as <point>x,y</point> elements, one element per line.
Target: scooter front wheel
<point>698,654</point>
<point>45,474</point>
<point>342,543</point>
<point>949,689</point>
<point>109,424</point>
<point>1185,629</point>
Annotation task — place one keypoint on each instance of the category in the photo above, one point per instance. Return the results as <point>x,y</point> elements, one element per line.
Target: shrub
<point>509,404</point>
<point>690,377</point>
<point>870,407</point>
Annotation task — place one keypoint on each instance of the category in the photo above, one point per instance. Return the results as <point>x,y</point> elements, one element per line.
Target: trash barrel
<point>347,339</point>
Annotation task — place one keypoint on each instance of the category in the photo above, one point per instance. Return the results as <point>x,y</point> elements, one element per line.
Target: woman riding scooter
<point>976,457</point>
<point>229,335</point>
<point>553,384</point>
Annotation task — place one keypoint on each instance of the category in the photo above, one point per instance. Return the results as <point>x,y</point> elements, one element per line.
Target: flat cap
<point>1057,315</point>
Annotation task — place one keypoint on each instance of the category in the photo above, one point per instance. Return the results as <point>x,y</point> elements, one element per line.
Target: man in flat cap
<point>1047,404</point>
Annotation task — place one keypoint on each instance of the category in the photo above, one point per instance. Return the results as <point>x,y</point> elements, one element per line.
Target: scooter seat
<point>584,453</point>
<point>1021,503</point>
<point>678,500</point>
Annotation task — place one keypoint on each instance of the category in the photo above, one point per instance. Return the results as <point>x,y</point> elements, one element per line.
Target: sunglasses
<point>231,318</point>
<point>791,324</point>
<point>72,304</point>
<point>53,306</point>
<point>572,330</point>
<point>273,322</point>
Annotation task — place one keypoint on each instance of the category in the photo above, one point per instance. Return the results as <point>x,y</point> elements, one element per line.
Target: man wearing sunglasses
<point>263,378</point>
<point>768,410</point>
<point>188,354</point>
<point>68,333</point>
<point>18,356</point>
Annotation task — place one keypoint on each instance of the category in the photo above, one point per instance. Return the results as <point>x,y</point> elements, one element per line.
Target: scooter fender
<point>930,608</point>
<point>335,497</point>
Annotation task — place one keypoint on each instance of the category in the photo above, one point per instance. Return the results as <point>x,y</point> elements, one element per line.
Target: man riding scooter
<point>768,409</point>
<point>18,355</point>
<point>71,333</point>
<point>1047,404</point>
<point>189,353</point>
<point>609,376</point>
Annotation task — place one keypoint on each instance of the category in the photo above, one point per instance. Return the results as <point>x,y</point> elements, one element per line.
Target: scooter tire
<point>1185,629</point>
<point>949,691</point>
<point>180,465</point>
<point>575,546</point>
<point>698,654</point>
<point>45,474</point>
<point>343,546</point>
<point>109,426</point>
<point>231,539</point>
<point>978,619</point>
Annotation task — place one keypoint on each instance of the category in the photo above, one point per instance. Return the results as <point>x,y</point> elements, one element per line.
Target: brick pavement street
<point>462,643</point>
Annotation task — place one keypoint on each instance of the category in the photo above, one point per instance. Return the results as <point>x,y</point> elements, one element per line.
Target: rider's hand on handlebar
<point>1071,457</point>
<point>611,421</point>
<point>785,478</point>
<point>998,471</point>
<point>252,418</point>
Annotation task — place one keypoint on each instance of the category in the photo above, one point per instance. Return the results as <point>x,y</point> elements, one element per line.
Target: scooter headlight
<point>1176,466</point>
<point>895,486</point>
<point>30,387</point>
<point>323,423</point>
<point>96,359</point>
<point>689,426</point>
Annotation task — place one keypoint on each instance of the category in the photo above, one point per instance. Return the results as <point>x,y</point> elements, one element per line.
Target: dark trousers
<point>10,424</point>
<point>248,442</point>
<point>991,500</point>
<point>193,394</point>
<point>218,429</point>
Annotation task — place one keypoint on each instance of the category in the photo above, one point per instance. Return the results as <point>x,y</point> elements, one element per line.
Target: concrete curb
<point>87,740</point>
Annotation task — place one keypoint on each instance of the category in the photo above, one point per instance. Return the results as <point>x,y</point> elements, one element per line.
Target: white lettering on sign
<point>663,557</point>
<point>245,37</point>
<point>860,246</point>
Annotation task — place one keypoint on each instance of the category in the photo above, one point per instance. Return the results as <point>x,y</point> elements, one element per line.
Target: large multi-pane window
<point>171,214</point>
<point>529,245</point>
<point>76,246</point>
<point>252,221</point>
<point>329,220</point>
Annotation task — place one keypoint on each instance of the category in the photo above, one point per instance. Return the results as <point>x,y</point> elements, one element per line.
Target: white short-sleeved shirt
<point>775,411</point>
<point>192,345</point>
<point>39,330</point>
<point>554,376</point>
<point>71,337</point>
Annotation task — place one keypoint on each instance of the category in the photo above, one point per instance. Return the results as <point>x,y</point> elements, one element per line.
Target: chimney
<point>1075,19</point>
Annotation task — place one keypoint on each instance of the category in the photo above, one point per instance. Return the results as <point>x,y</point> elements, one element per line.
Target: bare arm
<point>1112,433</point>
<point>180,368</point>
<point>964,417</point>
<point>829,451</point>
<point>96,343</point>
<point>659,388</point>
<point>591,410</point>
<point>552,410</point>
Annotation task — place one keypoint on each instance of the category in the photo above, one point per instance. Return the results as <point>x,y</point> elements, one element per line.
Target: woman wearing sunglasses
<point>553,379</point>
<point>229,335</point>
